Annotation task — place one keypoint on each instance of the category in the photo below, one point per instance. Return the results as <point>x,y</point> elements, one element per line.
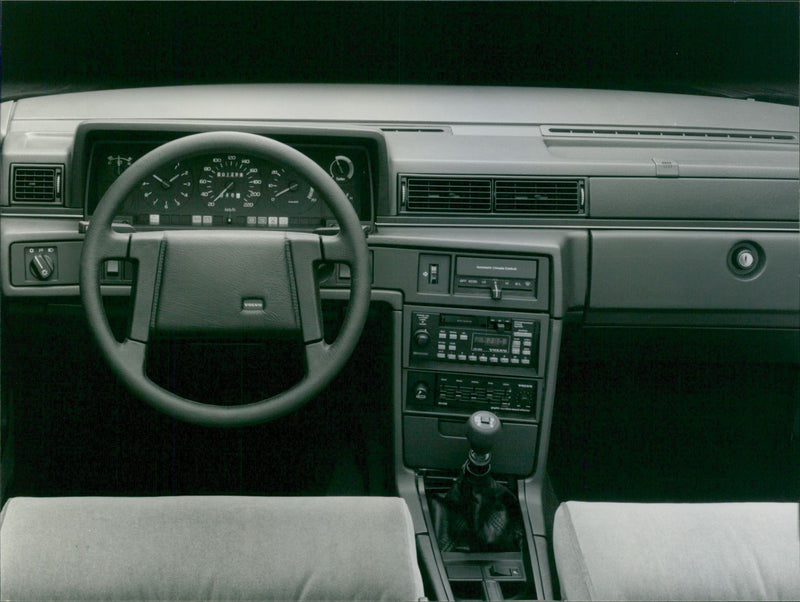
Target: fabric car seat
<point>719,551</point>
<point>208,548</point>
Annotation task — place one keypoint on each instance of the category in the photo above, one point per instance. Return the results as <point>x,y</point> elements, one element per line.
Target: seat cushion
<point>729,551</point>
<point>208,548</point>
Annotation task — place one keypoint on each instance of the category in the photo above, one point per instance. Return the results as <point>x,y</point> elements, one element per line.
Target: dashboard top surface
<point>387,104</point>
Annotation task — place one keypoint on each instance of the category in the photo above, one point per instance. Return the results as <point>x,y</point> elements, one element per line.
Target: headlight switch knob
<point>42,266</point>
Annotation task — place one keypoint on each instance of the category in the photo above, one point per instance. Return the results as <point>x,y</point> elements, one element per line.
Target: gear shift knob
<point>483,429</point>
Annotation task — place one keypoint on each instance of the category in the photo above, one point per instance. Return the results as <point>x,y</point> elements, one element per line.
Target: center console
<point>476,338</point>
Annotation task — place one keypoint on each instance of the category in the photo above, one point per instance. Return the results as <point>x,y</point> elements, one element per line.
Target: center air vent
<point>448,195</point>
<point>500,195</point>
<point>37,184</point>
<point>538,196</point>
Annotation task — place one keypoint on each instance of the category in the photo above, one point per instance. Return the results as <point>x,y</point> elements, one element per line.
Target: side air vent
<point>447,195</point>
<point>670,134</point>
<point>497,196</point>
<point>37,184</point>
<point>539,196</point>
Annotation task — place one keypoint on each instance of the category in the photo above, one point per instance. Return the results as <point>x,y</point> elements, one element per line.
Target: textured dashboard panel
<point>695,198</point>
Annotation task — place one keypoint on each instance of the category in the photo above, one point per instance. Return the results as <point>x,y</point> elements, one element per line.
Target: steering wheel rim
<point>323,361</point>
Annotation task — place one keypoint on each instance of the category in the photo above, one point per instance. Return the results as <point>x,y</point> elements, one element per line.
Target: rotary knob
<point>421,392</point>
<point>422,338</point>
<point>42,266</point>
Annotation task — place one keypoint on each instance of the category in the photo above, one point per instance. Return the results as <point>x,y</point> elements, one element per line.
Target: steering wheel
<point>226,282</point>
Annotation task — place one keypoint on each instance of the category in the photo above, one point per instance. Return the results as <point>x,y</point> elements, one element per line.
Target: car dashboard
<point>496,220</point>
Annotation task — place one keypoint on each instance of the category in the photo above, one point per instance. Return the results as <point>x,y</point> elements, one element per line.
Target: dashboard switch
<point>422,338</point>
<point>42,266</point>
<point>497,291</point>
<point>421,392</point>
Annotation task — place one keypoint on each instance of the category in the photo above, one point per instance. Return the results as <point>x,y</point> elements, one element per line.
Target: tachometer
<point>290,194</point>
<point>230,182</point>
<point>167,189</point>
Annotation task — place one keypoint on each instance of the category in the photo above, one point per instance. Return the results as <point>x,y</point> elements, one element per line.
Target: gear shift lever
<point>478,514</point>
<point>483,429</point>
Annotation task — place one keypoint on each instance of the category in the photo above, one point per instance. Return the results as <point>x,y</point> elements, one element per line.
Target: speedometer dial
<point>230,182</point>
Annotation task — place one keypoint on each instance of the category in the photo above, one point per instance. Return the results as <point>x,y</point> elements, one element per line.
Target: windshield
<point>742,50</point>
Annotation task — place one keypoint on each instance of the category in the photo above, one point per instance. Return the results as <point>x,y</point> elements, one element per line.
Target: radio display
<point>490,343</point>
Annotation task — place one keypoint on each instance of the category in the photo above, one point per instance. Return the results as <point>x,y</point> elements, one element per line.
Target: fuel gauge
<point>119,163</point>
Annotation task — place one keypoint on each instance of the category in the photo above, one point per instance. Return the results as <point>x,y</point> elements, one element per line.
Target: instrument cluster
<point>230,188</point>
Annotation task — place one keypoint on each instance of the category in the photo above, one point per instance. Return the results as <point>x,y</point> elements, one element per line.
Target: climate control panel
<point>468,393</point>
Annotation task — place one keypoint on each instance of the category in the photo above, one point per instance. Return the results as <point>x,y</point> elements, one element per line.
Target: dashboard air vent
<point>37,184</point>
<point>670,134</point>
<point>539,196</point>
<point>448,195</point>
<point>523,196</point>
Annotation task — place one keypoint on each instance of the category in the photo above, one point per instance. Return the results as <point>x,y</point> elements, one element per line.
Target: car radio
<point>474,339</point>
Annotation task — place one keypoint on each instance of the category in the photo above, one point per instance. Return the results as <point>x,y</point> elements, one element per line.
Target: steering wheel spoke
<point>114,245</point>
<point>336,249</point>
<point>147,249</point>
<point>133,354</point>
<point>306,253</point>
<point>316,355</point>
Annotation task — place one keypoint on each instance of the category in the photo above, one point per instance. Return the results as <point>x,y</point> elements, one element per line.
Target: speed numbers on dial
<point>230,182</point>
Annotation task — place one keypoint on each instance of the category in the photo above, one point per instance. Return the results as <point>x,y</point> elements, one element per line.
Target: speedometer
<point>230,182</point>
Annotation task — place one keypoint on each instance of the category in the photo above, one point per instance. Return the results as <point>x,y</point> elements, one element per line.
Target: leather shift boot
<point>477,514</point>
